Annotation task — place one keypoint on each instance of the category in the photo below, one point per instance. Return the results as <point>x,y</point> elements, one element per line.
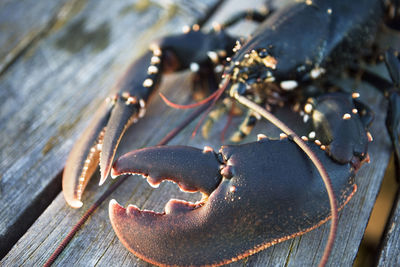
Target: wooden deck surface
<point>58,61</point>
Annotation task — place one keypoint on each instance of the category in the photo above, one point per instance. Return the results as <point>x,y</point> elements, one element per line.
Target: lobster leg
<point>245,127</point>
<point>100,141</point>
<point>393,113</point>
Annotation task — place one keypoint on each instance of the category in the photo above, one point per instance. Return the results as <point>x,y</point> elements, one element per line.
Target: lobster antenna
<point>214,96</point>
<point>317,163</point>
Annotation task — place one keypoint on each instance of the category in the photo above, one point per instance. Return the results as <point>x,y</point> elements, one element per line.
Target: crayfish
<point>251,192</point>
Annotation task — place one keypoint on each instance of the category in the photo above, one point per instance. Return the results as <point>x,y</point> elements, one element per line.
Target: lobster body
<point>302,37</point>
<point>251,191</point>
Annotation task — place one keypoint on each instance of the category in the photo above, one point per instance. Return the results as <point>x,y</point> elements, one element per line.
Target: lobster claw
<point>83,158</point>
<point>122,116</point>
<point>97,144</point>
<point>253,200</point>
<point>100,140</point>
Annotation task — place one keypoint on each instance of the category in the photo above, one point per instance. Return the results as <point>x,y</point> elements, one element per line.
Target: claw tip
<point>113,202</point>
<point>76,204</point>
<point>103,176</point>
<point>115,208</point>
<point>102,180</point>
<point>114,174</point>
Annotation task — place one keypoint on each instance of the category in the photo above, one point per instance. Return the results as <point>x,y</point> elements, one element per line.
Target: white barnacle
<point>152,70</point>
<point>282,136</point>
<point>207,149</point>
<point>311,135</point>
<point>306,117</point>
<point>156,50</point>
<point>316,72</point>
<point>155,60</point>
<point>219,68</point>
<point>130,100</point>
<point>213,56</point>
<point>112,99</point>
<point>308,108</point>
<point>186,29</point>
<point>370,138</point>
<point>125,95</point>
<point>196,27</point>
<point>288,85</point>
<point>142,103</point>
<point>194,67</point>
<point>148,82</point>
<point>346,116</point>
<point>238,44</point>
<point>232,188</point>
<point>261,137</point>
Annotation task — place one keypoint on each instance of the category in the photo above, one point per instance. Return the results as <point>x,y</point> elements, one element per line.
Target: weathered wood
<point>390,247</point>
<point>52,104</point>
<point>19,28</point>
<point>50,92</point>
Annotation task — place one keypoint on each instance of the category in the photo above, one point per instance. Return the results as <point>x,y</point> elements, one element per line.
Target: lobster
<point>250,191</point>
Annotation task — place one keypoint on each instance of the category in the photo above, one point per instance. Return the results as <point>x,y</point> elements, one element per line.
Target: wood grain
<point>49,93</point>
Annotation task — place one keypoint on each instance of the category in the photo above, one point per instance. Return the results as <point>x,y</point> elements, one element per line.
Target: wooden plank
<point>19,28</point>
<point>50,92</point>
<point>389,251</point>
<point>96,243</point>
